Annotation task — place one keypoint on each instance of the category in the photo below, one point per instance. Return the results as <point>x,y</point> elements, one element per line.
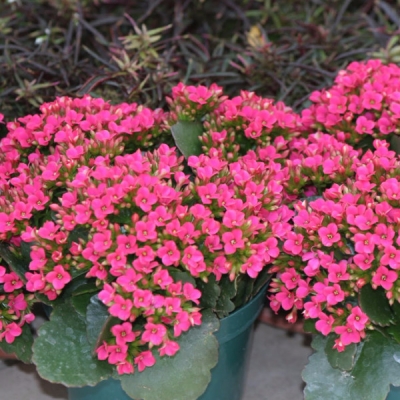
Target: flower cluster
<point>191,103</point>
<point>244,122</point>
<point>316,162</point>
<point>364,100</point>
<point>15,305</point>
<point>80,195</point>
<point>340,243</point>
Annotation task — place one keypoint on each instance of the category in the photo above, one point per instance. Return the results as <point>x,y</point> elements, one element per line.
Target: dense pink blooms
<point>340,242</point>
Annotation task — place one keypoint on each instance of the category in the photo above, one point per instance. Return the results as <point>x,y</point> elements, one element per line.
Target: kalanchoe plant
<point>364,101</point>
<point>136,249</point>
<point>341,264</point>
<point>248,121</point>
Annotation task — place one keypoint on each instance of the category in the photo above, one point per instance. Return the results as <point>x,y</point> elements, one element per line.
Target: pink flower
<point>146,231</point>
<point>285,298</point>
<point>233,241</point>
<point>383,235</point>
<point>142,298</point>
<point>363,125</point>
<point>11,282</point>
<point>338,272</point>
<point>334,294</point>
<point>12,330</point>
<point>121,307</point>
<point>181,323</point>
<point>363,261</point>
<point>233,218</point>
<point>123,333</point>
<point>124,367</point>
<point>366,220</point>
<point>169,253</point>
<point>290,278</point>
<point>169,348</point>
<point>160,216</point>
<point>252,266</point>
<point>6,222</point>
<point>117,353</point>
<point>391,257</point>
<point>172,305</point>
<point>372,100</point>
<point>154,333</point>
<point>357,318</point>
<point>364,243</point>
<point>294,244</point>
<point>58,277</point>
<point>145,199</point>
<point>191,293</point>
<point>102,241</point>
<point>384,277</point>
<point>129,279</point>
<point>144,360</point>
<point>324,324</point>
<point>162,278</point>
<point>348,334</point>
<point>329,235</point>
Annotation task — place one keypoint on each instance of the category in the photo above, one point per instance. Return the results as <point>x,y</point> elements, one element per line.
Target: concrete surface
<point>274,372</point>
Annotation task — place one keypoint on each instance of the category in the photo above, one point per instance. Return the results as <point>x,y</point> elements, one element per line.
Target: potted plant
<point>138,252</point>
<point>341,264</point>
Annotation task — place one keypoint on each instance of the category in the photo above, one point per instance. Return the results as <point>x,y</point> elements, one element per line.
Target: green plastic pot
<point>394,393</point>
<point>227,377</point>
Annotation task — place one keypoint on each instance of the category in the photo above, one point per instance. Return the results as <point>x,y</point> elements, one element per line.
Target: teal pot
<point>394,393</point>
<point>227,377</point>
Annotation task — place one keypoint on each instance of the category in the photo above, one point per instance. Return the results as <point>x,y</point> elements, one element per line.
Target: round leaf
<point>343,360</point>
<point>184,376</point>
<point>98,321</point>
<point>186,135</point>
<point>375,304</point>
<point>62,353</point>
<point>376,367</point>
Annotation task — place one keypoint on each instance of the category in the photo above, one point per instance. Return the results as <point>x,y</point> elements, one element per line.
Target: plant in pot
<point>341,264</point>
<point>138,253</point>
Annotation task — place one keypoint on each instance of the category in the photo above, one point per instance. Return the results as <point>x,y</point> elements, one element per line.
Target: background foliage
<point>136,51</point>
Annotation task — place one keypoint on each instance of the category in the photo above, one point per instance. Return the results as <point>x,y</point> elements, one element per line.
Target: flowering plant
<point>341,267</point>
<point>137,250</point>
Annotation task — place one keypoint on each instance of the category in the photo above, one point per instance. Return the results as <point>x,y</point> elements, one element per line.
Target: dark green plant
<point>136,51</point>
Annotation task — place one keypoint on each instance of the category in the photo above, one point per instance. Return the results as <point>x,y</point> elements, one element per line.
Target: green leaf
<point>62,352</point>
<point>123,217</point>
<point>22,345</point>
<point>375,304</point>
<point>81,303</point>
<point>184,376</point>
<point>17,264</point>
<point>395,144</point>
<point>181,276</point>
<point>80,232</point>
<point>186,135</point>
<point>376,367</point>
<point>394,330</point>
<point>98,320</point>
<point>309,326</point>
<point>81,296</point>
<point>210,292</point>
<point>89,286</point>
<point>262,279</point>
<point>343,360</point>
<point>396,311</point>
<point>26,249</point>
<point>224,304</point>
<point>245,286</point>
